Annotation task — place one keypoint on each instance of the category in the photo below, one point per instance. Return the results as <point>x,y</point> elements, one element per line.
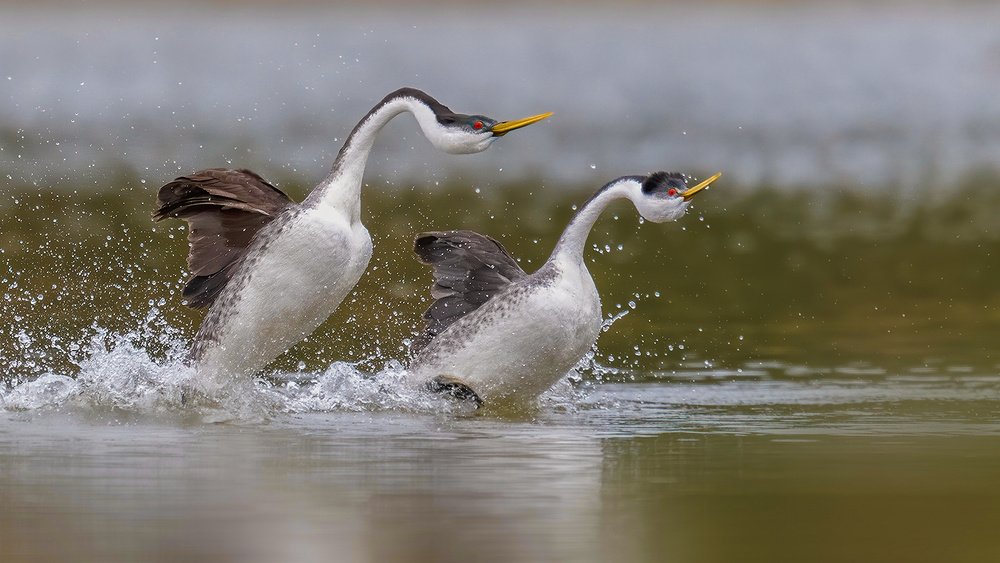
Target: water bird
<point>270,270</point>
<point>497,333</point>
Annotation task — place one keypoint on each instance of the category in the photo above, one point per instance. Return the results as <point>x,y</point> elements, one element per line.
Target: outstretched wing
<point>224,210</point>
<point>469,269</point>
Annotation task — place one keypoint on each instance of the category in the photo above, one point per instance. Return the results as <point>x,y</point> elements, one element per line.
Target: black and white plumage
<point>271,270</point>
<point>469,269</point>
<point>497,333</point>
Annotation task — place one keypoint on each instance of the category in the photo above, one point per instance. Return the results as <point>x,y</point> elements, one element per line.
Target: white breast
<point>290,286</point>
<point>518,344</point>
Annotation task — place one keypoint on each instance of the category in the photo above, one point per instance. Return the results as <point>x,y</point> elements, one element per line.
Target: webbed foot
<point>454,387</point>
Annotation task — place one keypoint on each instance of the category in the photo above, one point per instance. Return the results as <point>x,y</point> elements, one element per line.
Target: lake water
<point>897,95</point>
<point>802,368</point>
<point>756,470</point>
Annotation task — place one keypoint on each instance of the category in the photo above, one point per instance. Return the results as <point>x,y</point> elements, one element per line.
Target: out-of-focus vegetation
<point>820,277</point>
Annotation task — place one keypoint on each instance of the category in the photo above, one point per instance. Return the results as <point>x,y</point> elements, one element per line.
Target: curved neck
<point>342,186</point>
<point>574,237</point>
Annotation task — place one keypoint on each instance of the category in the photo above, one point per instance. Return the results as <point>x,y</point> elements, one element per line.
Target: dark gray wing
<point>224,210</point>
<point>469,269</point>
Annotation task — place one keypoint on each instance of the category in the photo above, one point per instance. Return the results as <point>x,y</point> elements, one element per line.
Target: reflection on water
<point>805,374</point>
<point>797,377</point>
<point>756,469</point>
<point>339,487</point>
<point>817,498</point>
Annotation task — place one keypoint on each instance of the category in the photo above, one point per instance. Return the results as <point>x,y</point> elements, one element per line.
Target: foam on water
<point>118,375</point>
<point>143,372</point>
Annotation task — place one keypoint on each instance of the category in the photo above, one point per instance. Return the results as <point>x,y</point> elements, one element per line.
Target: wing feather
<point>224,210</point>
<point>469,269</point>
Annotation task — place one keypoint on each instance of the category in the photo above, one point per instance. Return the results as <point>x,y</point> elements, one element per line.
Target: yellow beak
<point>504,127</point>
<point>689,193</point>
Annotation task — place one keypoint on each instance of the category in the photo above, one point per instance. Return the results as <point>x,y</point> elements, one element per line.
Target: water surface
<point>750,470</point>
<point>802,368</point>
<point>767,392</point>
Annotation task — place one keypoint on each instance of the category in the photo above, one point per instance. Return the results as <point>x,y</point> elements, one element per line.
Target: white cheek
<point>678,211</point>
<point>485,141</point>
<point>464,143</point>
<point>454,141</point>
<point>665,211</point>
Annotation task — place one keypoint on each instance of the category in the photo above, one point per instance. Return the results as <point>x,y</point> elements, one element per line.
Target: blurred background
<point>859,145</point>
<point>802,368</point>
<point>884,95</point>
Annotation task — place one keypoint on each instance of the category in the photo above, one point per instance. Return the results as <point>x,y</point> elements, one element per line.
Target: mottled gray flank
<point>469,269</point>
<point>463,328</point>
<point>242,272</point>
<point>497,306</point>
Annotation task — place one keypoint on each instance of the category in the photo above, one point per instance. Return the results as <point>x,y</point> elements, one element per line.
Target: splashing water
<point>119,375</point>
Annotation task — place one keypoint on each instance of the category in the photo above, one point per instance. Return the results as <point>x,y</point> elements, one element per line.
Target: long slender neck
<point>569,249</point>
<point>342,186</point>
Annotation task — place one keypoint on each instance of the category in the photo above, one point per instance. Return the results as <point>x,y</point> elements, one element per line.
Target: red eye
<point>672,191</point>
<point>477,125</point>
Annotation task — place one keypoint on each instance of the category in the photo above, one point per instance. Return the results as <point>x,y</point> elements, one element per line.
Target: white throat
<point>341,188</point>
<point>571,244</point>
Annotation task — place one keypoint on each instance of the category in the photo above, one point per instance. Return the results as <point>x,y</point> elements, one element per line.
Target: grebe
<point>270,270</point>
<point>496,333</point>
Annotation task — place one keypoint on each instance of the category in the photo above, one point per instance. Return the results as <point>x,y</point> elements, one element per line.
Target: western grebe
<point>271,270</point>
<point>495,332</point>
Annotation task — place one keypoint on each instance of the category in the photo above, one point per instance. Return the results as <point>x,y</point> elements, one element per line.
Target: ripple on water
<point>781,398</point>
<point>123,377</point>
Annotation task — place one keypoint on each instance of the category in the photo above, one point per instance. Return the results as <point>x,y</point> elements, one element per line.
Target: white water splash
<point>343,387</point>
<point>118,374</point>
<point>48,390</point>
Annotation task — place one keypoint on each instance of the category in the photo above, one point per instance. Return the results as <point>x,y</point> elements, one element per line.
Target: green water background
<point>808,373</point>
<point>822,278</point>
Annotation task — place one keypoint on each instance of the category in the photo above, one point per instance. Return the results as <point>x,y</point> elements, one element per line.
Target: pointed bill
<point>688,194</point>
<point>504,127</point>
